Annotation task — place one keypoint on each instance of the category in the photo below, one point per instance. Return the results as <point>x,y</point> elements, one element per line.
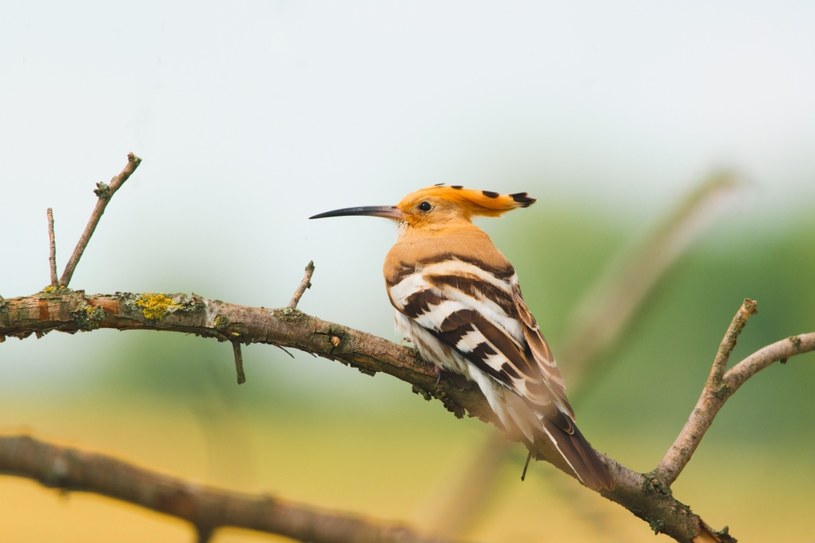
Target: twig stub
<point>748,307</point>
<point>304,284</point>
<point>236,351</point>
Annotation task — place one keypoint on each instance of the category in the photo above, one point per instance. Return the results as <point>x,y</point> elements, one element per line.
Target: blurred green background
<point>252,117</point>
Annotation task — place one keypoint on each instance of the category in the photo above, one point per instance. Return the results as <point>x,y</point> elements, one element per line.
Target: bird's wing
<point>547,372</point>
<point>481,315</point>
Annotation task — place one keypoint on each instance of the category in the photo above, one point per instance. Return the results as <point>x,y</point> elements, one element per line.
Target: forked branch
<point>722,384</point>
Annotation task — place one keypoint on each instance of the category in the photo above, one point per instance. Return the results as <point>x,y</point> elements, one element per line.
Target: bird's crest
<point>470,202</point>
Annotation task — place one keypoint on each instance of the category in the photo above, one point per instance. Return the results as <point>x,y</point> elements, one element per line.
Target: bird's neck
<point>463,241</point>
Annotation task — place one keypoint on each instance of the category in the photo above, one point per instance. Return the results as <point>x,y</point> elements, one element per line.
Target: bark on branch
<point>648,496</point>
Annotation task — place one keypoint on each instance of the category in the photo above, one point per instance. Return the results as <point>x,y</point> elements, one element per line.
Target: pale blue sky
<point>251,116</point>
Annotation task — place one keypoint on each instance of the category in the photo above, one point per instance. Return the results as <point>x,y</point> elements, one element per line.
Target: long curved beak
<point>388,212</point>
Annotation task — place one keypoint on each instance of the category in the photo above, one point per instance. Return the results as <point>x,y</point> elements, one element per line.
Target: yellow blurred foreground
<point>388,465</point>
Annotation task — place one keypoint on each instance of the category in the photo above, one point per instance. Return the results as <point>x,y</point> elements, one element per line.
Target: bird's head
<point>439,205</point>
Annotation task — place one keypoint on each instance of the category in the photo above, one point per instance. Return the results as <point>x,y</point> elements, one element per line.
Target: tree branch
<point>647,496</point>
<point>74,311</point>
<point>205,507</point>
<point>105,193</point>
<point>722,384</point>
<point>709,403</point>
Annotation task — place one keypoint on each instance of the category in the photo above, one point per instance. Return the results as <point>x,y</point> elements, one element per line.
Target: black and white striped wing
<point>458,314</point>
<point>482,317</point>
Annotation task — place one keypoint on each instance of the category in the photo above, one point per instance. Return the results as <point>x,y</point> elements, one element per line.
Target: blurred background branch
<point>613,304</point>
<point>206,508</point>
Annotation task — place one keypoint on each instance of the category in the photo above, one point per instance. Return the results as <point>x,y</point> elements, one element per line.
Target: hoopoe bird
<point>457,299</point>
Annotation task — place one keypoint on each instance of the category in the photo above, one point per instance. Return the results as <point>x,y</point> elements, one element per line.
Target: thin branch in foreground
<point>52,249</point>
<point>709,403</point>
<point>304,284</point>
<point>206,508</point>
<point>780,351</point>
<point>104,192</point>
<point>721,385</point>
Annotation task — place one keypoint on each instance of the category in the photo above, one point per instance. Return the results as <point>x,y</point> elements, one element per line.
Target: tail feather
<point>579,454</point>
<point>550,427</point>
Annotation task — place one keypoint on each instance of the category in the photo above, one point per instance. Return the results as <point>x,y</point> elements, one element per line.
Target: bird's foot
<point>438,377</point>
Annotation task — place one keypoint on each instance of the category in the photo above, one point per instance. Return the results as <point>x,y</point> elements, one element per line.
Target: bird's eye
<point>424,206</point>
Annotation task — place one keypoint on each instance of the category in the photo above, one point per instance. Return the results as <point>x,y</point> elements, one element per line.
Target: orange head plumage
<point>440,204</point>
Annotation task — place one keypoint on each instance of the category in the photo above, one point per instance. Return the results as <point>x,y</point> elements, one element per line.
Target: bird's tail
<point>549,427</point>
<point>578,453</point>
